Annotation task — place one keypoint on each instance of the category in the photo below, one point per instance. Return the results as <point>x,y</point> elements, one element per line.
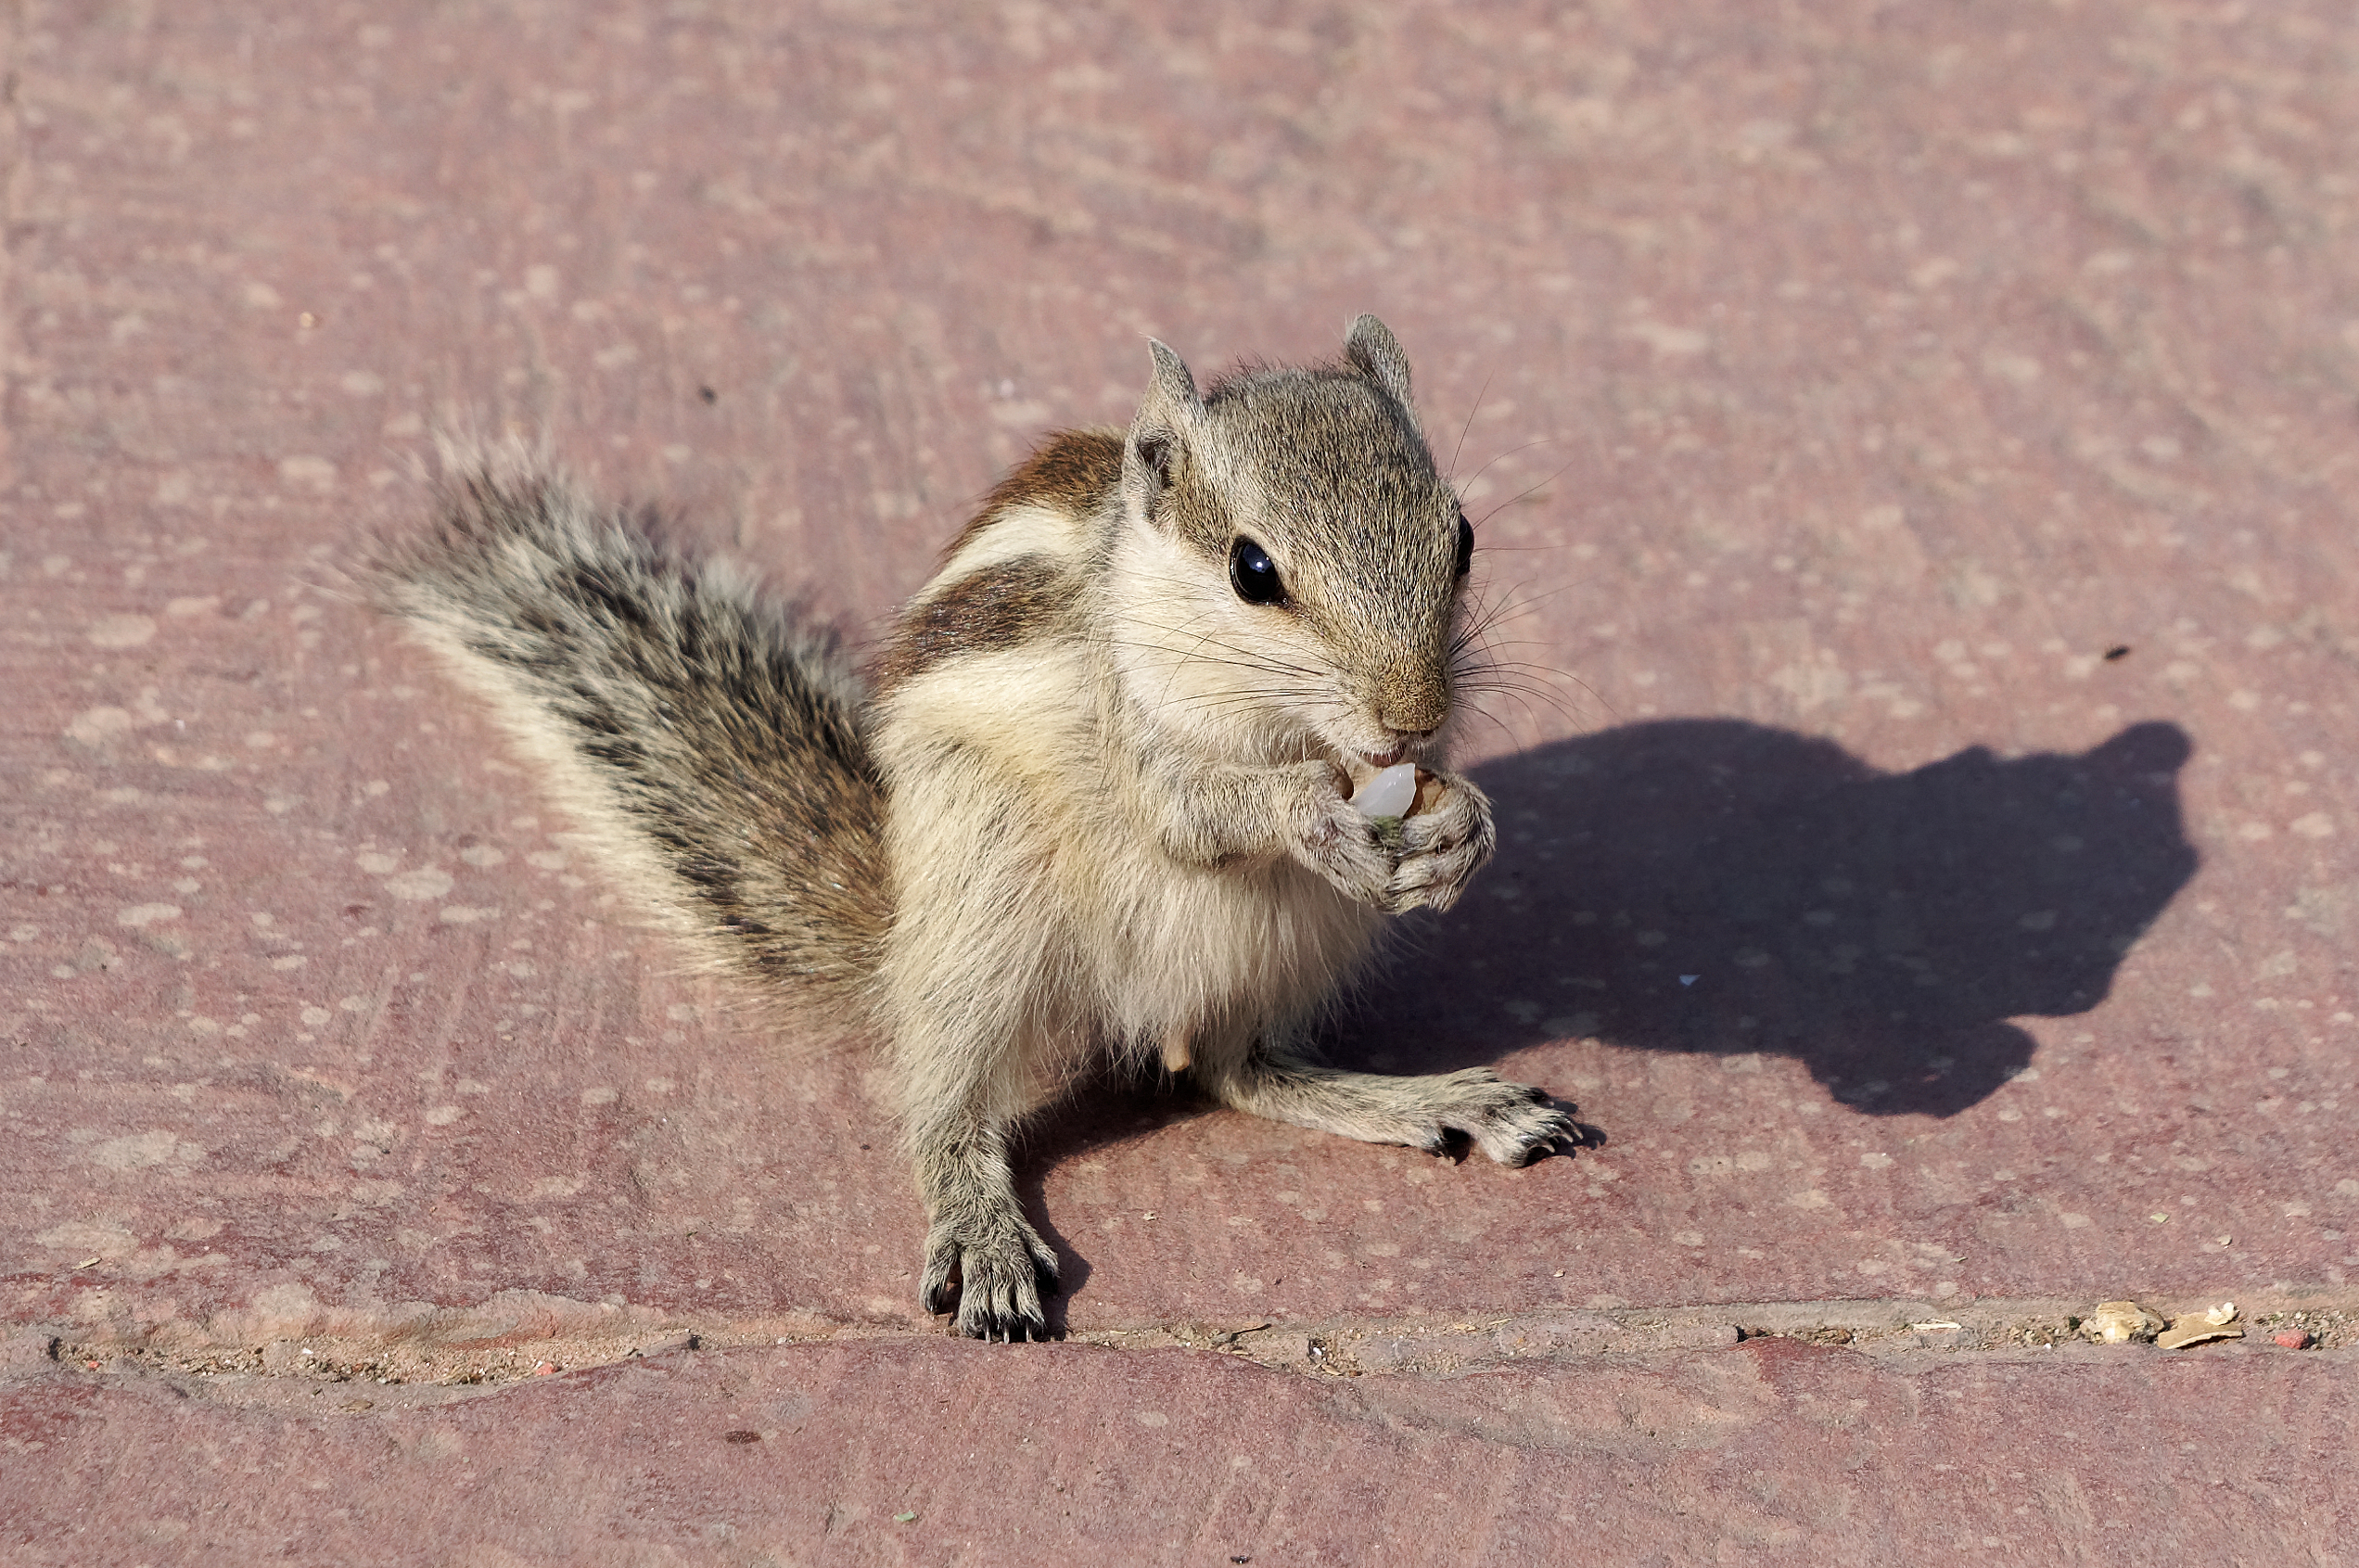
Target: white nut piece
<point>1389,794</point>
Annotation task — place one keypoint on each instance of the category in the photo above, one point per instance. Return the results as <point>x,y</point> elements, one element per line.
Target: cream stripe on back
<point>1021,530</point>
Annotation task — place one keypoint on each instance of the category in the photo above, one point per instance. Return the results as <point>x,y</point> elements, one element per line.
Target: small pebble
<point>2293,1339</point>
<point>2119,1323</point>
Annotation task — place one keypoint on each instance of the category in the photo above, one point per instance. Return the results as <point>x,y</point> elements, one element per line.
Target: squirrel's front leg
<point>1228,813</point>
<point>1442,846</point>
<point>1303,811</point>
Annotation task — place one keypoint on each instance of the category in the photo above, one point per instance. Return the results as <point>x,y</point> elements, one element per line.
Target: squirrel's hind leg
<point>1512,1123</point>
<point>983,1259</point>
<point>964,1091</point>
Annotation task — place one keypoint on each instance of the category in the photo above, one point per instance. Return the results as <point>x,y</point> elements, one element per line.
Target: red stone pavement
<point>1912,446</point>
<point>934,1451</point>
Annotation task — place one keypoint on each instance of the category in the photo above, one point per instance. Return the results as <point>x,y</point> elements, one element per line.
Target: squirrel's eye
<point>1465,545</point>
<point>1254,574</point>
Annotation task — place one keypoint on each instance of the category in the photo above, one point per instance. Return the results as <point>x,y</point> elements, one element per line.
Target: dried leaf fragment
<point>2195,1328</point>
<point>2193,1334</point>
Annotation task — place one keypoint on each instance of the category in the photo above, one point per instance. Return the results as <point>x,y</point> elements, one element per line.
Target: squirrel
<point>1091,798</point>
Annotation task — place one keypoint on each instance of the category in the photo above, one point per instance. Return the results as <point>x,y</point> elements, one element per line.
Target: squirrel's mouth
<point>1359,759</point>
<point>1365,765</point>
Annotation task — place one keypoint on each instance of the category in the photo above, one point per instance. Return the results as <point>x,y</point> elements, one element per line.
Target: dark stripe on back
<point>999,607</point>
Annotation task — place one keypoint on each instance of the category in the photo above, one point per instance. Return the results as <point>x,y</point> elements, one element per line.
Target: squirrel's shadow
<point>1711,885</point>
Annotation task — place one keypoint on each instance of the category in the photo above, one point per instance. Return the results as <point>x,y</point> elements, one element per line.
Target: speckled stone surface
<point>1913,449</point>
<point>946,1452</point>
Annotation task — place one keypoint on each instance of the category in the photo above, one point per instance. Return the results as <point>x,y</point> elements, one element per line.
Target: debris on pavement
<point>2119,1323</point>
<point>2195,1328</point>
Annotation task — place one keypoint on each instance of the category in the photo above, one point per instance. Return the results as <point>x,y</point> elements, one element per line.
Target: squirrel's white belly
<point>1248,948</point>
<point>1016,840</point>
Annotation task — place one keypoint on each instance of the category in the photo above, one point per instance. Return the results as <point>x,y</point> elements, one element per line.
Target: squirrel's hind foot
<point>993,1270</point>
<point>1512,1123</point>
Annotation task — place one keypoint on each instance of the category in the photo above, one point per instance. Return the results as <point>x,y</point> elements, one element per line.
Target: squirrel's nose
<point>1412,704</point>
<point>1414,721</point>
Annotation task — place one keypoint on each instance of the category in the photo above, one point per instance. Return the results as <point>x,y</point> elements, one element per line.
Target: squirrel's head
<point>1295,557</point>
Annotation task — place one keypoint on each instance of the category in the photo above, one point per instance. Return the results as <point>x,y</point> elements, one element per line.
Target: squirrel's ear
<point>1376,353</point>
<point>1172,399</point>
<point>1153,455</point>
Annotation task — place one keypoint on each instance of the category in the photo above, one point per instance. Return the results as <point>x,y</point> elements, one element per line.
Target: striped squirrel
<point>1092,797</point>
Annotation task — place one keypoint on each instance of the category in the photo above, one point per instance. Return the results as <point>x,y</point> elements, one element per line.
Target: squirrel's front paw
<point>1325,831</point>
<point>1441,847</point>
<point>996,1269</point>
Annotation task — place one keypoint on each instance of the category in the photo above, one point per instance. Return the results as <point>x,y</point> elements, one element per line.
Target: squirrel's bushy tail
<point>706,741</point>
